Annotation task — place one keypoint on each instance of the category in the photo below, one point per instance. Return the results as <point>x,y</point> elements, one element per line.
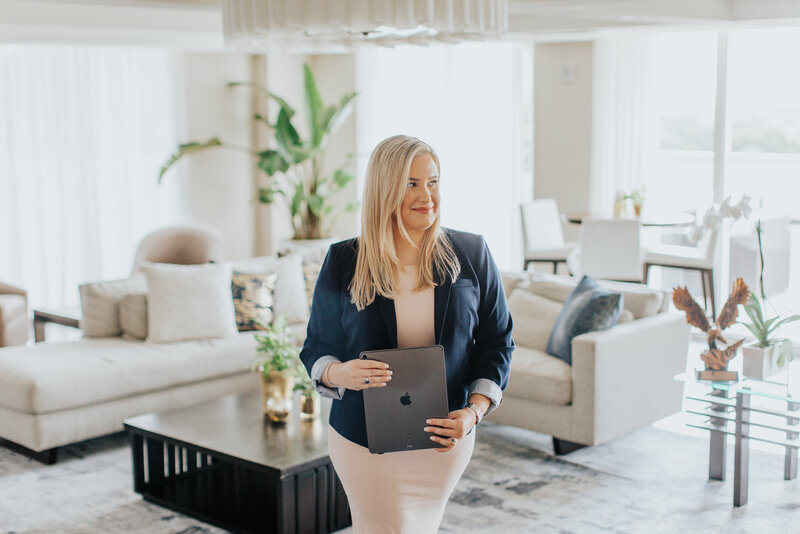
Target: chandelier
<point>345,24</point>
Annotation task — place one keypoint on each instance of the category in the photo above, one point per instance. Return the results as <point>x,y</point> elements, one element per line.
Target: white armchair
<point>621,379</point>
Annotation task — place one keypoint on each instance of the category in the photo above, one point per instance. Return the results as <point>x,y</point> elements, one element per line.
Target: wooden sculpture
<point>719,352</point>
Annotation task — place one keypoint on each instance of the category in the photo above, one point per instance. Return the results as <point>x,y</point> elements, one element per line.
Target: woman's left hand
<point>447,432</point>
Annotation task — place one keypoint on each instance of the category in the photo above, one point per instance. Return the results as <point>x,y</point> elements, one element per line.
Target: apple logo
<point>405,400</point>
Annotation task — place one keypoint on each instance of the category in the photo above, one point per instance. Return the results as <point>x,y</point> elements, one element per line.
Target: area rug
<point>650,481</point>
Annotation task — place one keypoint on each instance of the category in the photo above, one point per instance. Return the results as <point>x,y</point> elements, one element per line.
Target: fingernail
<point>428,421</point>
<point>390,373</point>
<point>427,429</point>
<point>385,365</point>
<point>384,385</point>
<point>432,439</point>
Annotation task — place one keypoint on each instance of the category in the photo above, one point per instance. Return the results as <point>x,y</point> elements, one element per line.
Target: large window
<point>83,132</point>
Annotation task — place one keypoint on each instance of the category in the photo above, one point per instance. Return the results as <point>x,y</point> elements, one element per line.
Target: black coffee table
<point>224,463</point>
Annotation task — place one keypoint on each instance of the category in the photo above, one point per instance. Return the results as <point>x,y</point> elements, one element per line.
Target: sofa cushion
<point>189,302</point>
<point>253,299</point>
<point>540,377</point>
<point>290,288</point>
<point>534,318</point>
<point>133,316</point>
<point>587,309</point>
<point>100,304</point>
<point>641,300</point>
<point>49,377</point>
<point>512,280</point>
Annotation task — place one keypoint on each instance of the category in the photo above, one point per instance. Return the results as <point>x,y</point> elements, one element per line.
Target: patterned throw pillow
<point>588,308</point>
<point>311,268</point>
<point>253,299</point>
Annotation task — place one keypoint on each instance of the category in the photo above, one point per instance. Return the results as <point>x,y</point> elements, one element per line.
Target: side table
<point>748,409</point>
<point>66,317</point>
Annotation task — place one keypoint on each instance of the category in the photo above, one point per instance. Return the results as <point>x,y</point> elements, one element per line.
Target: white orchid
<point>714,216</point>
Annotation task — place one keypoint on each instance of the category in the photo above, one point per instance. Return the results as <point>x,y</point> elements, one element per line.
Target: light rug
<point>648,482</point>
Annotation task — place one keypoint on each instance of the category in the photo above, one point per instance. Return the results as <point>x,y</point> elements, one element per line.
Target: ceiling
<point>197,23</point>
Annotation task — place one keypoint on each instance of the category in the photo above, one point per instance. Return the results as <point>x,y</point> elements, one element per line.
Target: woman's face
<point>421,203</point>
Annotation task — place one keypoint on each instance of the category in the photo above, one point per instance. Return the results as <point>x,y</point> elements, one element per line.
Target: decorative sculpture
<point>719,352</point>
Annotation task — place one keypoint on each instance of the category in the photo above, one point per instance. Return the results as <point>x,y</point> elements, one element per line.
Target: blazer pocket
<point>463,282</point>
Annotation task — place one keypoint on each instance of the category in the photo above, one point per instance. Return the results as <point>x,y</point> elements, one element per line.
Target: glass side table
<point>747,409</point>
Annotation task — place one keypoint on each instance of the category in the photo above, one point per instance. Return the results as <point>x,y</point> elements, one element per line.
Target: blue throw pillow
<point>588,308</point>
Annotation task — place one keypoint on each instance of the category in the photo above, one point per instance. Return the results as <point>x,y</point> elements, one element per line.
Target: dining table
<point>654,220</point>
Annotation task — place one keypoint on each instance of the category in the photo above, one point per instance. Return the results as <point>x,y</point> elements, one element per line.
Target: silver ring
<point>366,380</point>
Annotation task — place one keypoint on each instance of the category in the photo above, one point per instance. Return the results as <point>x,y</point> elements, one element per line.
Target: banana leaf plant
<point>293,167</point>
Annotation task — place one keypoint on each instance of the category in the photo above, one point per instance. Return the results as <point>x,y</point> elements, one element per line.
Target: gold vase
<point>309,406</point>
<point>276,394</point>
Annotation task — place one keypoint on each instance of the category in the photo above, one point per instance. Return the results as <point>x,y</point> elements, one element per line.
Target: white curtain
<point>624,132</point>
<point>464,101</point>
<point>83,133</point>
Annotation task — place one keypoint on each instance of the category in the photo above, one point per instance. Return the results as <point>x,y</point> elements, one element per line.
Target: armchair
<point>13,315</point>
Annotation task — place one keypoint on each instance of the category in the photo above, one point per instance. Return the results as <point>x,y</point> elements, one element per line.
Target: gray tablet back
<point>396,414</point>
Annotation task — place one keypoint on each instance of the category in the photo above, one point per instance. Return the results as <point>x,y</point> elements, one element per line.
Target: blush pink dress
<point>401,492</point>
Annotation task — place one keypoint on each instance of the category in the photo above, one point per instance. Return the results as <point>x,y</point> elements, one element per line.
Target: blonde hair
<point>377,263</point>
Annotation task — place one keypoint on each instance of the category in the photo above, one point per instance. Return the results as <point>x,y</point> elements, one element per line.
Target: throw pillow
<point>534,318</point>
<point>189,302</point>
<point>290,289</point>
<point>133,316</point>
<point>100,304</point>
<point>588,308</point>
<point>311,268</point>
<point>253,299</point>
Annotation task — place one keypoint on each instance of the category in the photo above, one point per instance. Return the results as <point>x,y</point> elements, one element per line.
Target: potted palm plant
<point>768,354</point>
<point>293,166</point>
<point>276,362</point>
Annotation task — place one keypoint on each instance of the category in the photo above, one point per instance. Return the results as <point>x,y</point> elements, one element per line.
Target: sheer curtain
<point>464,101</point>
<point>83,132</point>
<point>624,132</point>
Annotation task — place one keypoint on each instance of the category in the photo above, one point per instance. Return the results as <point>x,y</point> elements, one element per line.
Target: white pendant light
<point>330,24</point>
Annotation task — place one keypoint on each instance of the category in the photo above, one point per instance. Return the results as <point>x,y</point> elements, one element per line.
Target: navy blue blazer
<point>472,323</point>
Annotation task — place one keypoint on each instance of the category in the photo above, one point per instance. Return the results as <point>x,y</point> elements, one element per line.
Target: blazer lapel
<point>386,307</point>
<point>441,298</point>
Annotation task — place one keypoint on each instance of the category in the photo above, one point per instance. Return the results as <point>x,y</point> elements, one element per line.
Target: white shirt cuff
<point>486,387</point>
<point>316,378</point>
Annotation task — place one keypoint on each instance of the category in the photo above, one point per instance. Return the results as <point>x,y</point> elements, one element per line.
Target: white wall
<point>563,126</point>
<point>220,180</point>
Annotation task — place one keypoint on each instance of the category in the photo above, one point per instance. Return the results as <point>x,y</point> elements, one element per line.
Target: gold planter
<point>309,406</point>
<point>276,395</point>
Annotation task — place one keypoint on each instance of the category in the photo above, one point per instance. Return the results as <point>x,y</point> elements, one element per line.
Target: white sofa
<point>621,379</point>
<point>53,394</point>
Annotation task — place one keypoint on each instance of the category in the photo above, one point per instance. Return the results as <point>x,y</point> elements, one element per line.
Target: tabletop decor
<point>277,361</point>
<point>713,217</point>
<point>293,167</point>
<point>719,352</point>
<point>769,354</point>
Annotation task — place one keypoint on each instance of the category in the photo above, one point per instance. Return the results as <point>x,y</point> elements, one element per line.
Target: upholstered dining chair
<point>13,315</point>
<point>699,258</point>
<point>542,233</point>
<point>609,250</point>
<point>184,245</point>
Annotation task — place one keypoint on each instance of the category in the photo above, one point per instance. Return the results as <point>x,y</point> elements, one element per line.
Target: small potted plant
<point>309,398</point>
<point>768,354</point>
<point>277,360</point>
<point>637,197</point>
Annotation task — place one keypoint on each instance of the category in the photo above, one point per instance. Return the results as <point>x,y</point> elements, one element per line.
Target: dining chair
<point>14,320</point>
<point>543,234</point>
<point>184,245</point>
<point>699,258</point>
<point>609,250</point>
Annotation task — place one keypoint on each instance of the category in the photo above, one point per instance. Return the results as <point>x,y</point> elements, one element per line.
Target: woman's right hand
<point>359,374</point>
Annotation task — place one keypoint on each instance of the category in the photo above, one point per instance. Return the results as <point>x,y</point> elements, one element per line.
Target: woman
<point>406,282</point>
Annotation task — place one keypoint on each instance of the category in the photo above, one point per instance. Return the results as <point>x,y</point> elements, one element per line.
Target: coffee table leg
<point>718,441</point>
<point>790,462</point>
<point>741,464</point>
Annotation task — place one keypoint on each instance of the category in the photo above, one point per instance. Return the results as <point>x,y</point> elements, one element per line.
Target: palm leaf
<point>281,102</point>
<point>314,107</point>
<point>183,150</point>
